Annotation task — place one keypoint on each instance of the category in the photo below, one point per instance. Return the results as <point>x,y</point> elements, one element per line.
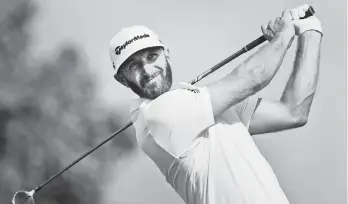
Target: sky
<point>310,162</point>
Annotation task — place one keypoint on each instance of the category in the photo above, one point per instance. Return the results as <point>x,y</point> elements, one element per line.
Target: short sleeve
<point>181,109</point>
<point>246,109</point>
<point>206,105</point>
<point>137,119</point>
<point>176,118</point>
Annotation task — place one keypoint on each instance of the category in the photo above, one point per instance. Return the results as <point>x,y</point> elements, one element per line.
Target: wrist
<point>309,24</point>
<point>311,34</point>
<point>285,38</point>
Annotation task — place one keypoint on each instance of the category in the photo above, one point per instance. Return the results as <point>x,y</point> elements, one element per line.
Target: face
<point>147,72</point>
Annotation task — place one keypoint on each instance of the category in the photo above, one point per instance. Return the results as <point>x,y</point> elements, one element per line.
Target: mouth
<point>153,77</point>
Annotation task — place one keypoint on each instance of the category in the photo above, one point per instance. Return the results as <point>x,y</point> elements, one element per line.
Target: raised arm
<point>292,110</point>
<point>257,71</point>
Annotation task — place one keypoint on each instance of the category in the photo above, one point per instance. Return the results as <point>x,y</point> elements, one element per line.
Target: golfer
<point>200,137</point>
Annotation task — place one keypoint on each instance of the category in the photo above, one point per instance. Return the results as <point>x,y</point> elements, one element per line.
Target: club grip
<point>261,39</point>
<point>309,12</point>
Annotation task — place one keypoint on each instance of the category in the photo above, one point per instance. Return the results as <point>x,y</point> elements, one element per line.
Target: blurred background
<point>58,97</point>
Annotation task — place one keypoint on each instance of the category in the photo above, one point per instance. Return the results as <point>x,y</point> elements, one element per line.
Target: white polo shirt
<point>206,160</point>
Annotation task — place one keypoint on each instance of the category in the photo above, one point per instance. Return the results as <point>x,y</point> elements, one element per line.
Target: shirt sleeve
<point>246,109</point>
<point>206,106</point>
<point>138,120</point>
<point>175,118</point>
<point>186,108</point>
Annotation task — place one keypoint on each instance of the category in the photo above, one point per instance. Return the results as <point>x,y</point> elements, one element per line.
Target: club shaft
<point>83,156</point>
<point>245,49</point>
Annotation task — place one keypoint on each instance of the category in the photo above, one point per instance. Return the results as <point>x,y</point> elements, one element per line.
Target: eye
<point>132,66</point>
<point>152,57</point>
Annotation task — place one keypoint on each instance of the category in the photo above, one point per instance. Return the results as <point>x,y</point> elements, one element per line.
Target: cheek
<point>162,63</point>
<point>134,79</point>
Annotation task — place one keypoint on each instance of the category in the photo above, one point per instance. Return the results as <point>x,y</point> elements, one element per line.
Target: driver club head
<point>23,197</point>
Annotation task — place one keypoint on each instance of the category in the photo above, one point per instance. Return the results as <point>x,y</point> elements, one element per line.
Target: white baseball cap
<point>130,40</point>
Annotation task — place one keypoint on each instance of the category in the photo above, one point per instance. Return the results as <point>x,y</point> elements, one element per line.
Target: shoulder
<point>182,99</point>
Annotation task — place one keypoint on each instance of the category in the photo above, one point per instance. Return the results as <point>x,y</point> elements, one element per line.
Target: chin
<point>157,88</point>
<point>160,90</point>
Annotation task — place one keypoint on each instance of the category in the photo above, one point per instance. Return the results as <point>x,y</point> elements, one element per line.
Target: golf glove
<point>303,25</point>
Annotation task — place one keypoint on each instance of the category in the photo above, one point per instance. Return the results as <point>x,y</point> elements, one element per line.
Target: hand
<point>303,25</point>
<point>281,25</point>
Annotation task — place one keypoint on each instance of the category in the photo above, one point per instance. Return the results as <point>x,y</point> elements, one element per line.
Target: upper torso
<point>205,159</point>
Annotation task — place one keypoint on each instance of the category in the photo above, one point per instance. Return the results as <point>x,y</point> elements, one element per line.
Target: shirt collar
<point>136,103</point>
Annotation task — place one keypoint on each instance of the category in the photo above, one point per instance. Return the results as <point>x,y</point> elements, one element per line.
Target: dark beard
<point>154,92</point>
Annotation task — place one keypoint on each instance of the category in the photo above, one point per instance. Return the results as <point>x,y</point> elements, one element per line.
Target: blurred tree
<point>47,118</point>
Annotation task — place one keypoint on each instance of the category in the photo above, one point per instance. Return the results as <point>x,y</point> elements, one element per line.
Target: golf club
<point>25,197</point>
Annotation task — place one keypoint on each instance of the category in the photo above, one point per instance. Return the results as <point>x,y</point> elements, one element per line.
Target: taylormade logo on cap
<point>130,40</point>
<point>118,49</point>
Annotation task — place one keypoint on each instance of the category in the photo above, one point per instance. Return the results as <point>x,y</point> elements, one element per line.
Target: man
<point>199,137</point>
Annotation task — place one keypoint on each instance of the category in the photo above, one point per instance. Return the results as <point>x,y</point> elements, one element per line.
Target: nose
<point>149,69</point>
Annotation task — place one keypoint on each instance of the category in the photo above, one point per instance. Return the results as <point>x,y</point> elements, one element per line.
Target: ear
<point>121,80</point>
<point>167,54</point>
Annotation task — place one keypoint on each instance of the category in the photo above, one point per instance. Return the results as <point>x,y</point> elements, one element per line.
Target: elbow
<point>299,113</point>
<point>300,121</point>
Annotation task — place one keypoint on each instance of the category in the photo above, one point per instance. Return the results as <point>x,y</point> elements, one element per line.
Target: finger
<point>294,14</point>
<point>301,13</point>
<point>301,10</point>
<point>277,20</point>
<point>286,14</point>
<point>271,25</point>
<point>303,7</point>
<point>266,33</point>
<point>264,28</point>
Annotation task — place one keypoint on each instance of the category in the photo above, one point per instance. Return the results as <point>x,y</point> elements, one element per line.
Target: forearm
<point>258,70</point>
<point>300,89</point>
<point>250,76</point>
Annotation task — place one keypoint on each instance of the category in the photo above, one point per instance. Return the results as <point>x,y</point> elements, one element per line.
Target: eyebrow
<point>151,50</point>
<point>128,60</point>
